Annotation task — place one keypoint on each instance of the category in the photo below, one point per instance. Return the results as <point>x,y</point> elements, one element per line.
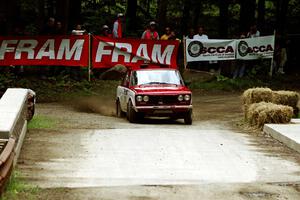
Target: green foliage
<point>17,189</point>
<point>42,122</point>
<point>6,80</point>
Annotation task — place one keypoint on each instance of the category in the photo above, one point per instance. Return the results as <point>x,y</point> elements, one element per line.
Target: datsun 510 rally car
<point>154,92</point>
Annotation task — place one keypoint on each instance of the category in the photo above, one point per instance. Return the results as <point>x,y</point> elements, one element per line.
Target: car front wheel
<point>119,111</point>
<point>131,114</point>
<point>188,117</point>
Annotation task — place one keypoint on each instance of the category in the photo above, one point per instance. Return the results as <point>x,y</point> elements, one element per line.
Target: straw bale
<point>262,113</point>
<point>256,95</point>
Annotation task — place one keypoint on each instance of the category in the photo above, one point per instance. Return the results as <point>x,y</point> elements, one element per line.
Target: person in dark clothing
<point>59,28</point>
<point>49,28</point>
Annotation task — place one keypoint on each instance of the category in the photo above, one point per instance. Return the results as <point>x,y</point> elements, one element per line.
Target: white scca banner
<point>256,48</point>
<point>207,50</point>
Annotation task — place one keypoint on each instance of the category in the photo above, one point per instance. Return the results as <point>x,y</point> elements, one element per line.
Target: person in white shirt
<point>253,32</point>
<point>78,30</point>
<point>117,27</point>
<point>201,35</point>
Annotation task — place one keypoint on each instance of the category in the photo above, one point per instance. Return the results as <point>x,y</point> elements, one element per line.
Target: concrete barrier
<point>13,127</point>
<point>288,134</point>
<point>13,112</point>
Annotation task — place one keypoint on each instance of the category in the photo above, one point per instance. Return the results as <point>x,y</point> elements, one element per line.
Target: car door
<point>123,91</point>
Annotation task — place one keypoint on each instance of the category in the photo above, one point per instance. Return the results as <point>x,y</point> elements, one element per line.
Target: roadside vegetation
<point>64,87</point>
<point>17,189</point>
<point>42,122</point>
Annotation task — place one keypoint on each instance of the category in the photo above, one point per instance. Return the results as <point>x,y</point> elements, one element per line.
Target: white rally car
<point>154,92</point>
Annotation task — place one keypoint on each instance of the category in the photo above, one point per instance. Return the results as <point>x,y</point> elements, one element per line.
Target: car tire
<point>30,112</point>
<point>119,111</point>
<point>131,114</point>
<point>188,118</point>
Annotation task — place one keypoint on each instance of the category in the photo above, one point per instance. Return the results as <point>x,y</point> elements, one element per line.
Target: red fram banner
<point>108,52</point>
<point>74,51</point>
<point>45,50</point>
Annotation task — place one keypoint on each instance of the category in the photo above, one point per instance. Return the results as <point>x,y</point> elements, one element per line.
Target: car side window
<point>133,79</point>
<point>125,82</point>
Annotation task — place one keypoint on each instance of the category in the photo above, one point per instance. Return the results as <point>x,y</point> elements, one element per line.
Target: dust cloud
<point>95,104</point>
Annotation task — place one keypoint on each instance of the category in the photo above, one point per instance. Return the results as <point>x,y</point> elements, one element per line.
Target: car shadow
<point>160,121</point>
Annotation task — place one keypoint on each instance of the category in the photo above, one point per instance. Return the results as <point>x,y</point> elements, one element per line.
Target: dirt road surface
<point>90,154</point>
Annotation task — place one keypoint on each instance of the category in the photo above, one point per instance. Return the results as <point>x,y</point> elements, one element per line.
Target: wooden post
<point>184,53</point>
<point>272,61</point>
<point>90,62</point>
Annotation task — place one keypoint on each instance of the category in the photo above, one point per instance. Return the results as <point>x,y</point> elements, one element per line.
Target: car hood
<point>161,89</point>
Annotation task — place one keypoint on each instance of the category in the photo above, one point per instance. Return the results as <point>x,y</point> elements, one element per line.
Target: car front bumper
<point>163,108</point>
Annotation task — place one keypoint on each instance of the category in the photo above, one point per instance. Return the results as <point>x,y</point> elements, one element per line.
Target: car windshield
<point>148,77</point>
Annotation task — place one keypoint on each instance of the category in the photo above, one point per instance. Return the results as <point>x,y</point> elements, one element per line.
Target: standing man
<point>117,28</point>
<point>253,32</point>
<point>151,33</point>
<point>201,35</point>
<point>105,32</point>
<point>167,34</point>
<point>78,30</point>
<point>49,28</point>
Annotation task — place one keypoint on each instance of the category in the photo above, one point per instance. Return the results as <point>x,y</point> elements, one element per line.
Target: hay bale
<point>256,95</point>
<point>262,113</point>
<point>288,98</point>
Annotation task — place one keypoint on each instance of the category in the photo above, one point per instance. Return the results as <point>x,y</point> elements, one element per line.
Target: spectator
<point>151,33</point>
<point>59,29</point>
<point>49,28</point>
<point>191,34</point>
<point>75,72</point>
<point>167,34</point>
<point>173,36</point>
<point>253,32</point>
<point>105,32</point>
<point>280,54</point>
<point>78,30</point>
<point>117,28</point>
<point>200,35</point>
<point>240,67</point>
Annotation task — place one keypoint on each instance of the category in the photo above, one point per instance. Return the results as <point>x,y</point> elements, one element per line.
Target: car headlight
<point>139,98</point>
<point>187,97</point>
<point>146,98</point>
<point>180,98</point>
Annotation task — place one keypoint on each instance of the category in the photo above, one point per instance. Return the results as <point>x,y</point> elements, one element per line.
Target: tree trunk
<point>51,8</point>
<point>197,12</point>
<point>186,16</point>
<point>75,13</point>
<point>223,19</point>
<point>247,14</point>
<point>41,13</point>
<point>62,8</point>
<point>281,18</point>
<point>261,8</point>
<point>131,14</point>
<point>8,15</point>
<point>162,13</point>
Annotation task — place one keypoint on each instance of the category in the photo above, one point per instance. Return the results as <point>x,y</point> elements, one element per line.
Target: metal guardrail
<point>14,109</point>
<point>6,162</point>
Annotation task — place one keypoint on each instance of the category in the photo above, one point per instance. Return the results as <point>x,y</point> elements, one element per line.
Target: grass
<point>19,190</point>
<point>42,122</point>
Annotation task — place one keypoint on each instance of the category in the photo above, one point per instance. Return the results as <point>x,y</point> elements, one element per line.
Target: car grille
<point>163,100</point>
